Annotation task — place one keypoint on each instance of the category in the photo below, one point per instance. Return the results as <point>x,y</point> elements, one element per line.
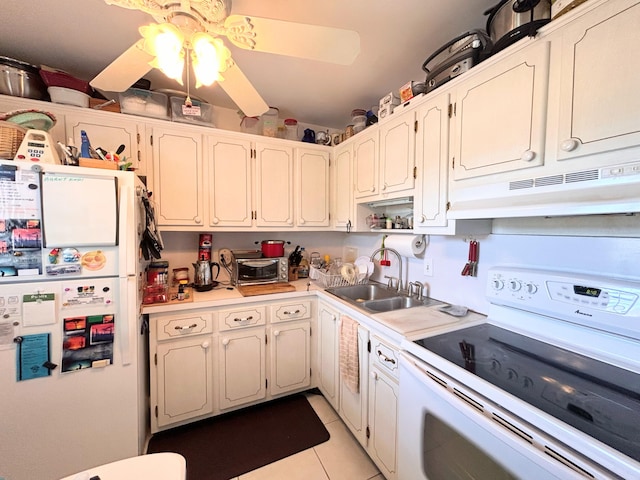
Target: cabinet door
<point>184,380</point>
<point>290,355</point>
<point>312,183</point>
<point>229,164</point>
<point>365,168</point>
<point>383,424</point>
<point>177,177</point>
<point>397,154</point>
<point>599,101</point>
<point>432,153</point>
<point>242,366</point>
<point>274,185</point>
<point>500,115</point>
<point>353,405</point>
<point>328,353</point>
<point>109,133</point>
<point>342,193</point>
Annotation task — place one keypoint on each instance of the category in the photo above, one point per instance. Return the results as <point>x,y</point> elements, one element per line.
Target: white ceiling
<point>396,37</point>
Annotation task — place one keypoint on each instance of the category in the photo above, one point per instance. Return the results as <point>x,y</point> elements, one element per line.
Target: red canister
<point>204,250</point>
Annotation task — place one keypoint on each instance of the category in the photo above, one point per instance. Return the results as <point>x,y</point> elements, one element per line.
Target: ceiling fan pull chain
<point>187,101</point>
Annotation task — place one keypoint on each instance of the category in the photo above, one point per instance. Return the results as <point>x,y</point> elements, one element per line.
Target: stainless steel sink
<point>378,298</point>
<point>363,293</point>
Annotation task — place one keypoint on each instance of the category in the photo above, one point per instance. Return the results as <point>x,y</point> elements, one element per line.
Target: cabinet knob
<point>215,220</point>
<point>276,333</point>
<point>422,219</point>
<point>374,375</point>
<point>384,187</point>
<point>205,345</point>
<point>198,220</point>
<point>301,221</point>
<point>528,155</point>
<point>225,341</point>
<point>569,145</point>
<point>373,189</point>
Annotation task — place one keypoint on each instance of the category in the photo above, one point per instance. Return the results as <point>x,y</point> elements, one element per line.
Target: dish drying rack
<point>336,280</point>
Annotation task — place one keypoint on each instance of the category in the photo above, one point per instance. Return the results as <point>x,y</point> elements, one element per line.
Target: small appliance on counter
<point>204,279</point>
<point>252,267</point>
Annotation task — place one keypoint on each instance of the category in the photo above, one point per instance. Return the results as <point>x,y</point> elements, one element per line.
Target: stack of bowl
<point>358,119</point>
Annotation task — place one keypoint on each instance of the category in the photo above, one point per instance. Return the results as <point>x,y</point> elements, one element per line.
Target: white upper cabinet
<point>342,213</point>
<point>432,154</point>
<point>365,163</point>
<point>397,154</point>
<point>499,115</point>
<point>274,185</point>
<point>178,177</point>
<point>312,187</point>
<point>109,132</point>
<point>229,181</point>
<point>599,101</point>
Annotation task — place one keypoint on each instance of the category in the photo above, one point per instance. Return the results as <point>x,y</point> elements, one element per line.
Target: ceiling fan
<point>193,20</point>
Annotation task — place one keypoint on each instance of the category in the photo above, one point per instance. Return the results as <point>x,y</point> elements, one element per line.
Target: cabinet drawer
<point>384,356</point>
<point>183,325</point>
<point>241,317</point>
<point>290,311</point>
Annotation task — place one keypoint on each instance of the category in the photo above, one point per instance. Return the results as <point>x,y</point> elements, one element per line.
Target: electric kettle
<point>204,280</point>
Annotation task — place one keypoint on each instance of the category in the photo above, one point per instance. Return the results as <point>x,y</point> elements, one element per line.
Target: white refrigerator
<point>73,369</point>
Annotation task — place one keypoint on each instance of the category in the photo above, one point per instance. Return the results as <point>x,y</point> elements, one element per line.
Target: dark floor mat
<point>229,445</point>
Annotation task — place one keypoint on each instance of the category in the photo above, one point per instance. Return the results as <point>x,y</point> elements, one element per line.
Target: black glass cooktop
<point>597,398</point>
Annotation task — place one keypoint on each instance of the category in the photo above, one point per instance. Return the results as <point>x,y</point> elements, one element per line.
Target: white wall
<point>181,248</point>
<point>608,256</point>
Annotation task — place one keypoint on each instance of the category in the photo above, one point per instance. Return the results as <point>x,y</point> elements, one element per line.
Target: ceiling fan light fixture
<point>207,58</point>
<point>165,42</point>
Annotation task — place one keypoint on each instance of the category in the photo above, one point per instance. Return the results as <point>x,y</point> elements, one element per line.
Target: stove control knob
<point>527,382</point>
<point>531,288</point>
<point>497,284</point>
<point>495,366</point>
<point>515,285</point>
<point>512,374</point>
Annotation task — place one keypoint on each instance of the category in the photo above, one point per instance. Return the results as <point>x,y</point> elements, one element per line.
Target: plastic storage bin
<point>199,113</point>
<point>144,102</point>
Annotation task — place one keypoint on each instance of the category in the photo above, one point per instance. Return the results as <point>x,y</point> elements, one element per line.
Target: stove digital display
<point>586,291</point>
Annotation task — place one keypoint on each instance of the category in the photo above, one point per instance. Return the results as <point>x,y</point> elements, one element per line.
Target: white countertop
<point>397,324</point>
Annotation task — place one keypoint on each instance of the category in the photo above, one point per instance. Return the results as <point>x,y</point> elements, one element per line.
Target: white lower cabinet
<point>242,369</point>
<point>181,369</point>
<point>328,353</point>
<point>383,407</point>
<point>241,355</point>
<point>290,356</point>
<point>353,405</point>
<point>205,362</point>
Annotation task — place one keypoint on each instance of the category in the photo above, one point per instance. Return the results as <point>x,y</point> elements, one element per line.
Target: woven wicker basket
<point>11,136</point>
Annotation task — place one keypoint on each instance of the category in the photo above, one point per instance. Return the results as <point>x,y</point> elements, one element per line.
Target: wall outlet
<point>428,266</point>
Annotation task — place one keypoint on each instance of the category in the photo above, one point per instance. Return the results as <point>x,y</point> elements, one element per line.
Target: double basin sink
<point>377,298</point>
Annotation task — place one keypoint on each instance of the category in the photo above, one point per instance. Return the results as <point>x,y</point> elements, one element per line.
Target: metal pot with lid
<point>511,20</point>
<point>21,79</point>
<point>272,248</point>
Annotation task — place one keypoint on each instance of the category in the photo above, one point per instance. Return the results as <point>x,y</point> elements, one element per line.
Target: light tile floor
<point>339,458</point>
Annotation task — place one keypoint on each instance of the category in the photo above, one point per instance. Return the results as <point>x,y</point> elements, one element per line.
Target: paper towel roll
<point>407,245</point>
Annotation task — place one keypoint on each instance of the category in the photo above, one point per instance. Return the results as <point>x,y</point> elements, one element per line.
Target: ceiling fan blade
<point>326,44</point>
<point>239,88</point>
<point>124,71</point>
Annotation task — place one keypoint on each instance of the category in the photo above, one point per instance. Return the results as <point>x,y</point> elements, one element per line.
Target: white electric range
<point>547,387</point>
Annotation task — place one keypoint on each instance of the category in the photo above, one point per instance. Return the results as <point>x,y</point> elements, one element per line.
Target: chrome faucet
<point>398,256</point>
<point>416,288</point>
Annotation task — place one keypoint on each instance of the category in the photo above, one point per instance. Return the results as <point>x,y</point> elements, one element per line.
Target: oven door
<point>447,431</point>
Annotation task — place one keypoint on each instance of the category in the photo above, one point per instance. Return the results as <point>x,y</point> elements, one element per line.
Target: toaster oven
<point>249,267</point>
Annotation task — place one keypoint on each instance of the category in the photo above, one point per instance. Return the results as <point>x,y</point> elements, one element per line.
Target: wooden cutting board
<point>251,290</point>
